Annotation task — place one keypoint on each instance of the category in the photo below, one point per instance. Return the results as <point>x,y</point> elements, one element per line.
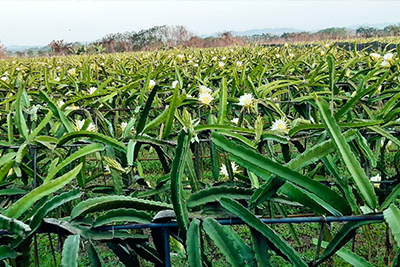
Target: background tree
<point>2,51</point>
<point>367,32</point>
<point>393,30</point>
<point>333,33</point>
<point>59,47</point>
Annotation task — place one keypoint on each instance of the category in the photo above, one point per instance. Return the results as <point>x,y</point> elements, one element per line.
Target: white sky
<point>39,22</point>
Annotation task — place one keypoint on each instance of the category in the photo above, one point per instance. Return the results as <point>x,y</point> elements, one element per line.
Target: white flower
<point>180,56</point>
<point>239,64</point>
<point>72,107</point>
<point>234,167</point>
<point>204,90</point>
<point>174,84</point>
<point>91,127</point>
<point>107,168</point>
<point>388,56</point>
<point>231,50</point>
<point>385,64</point>
<point>280,125</point>
<point>151,84</point>
<point>277,56</point>
<point>17,69</point>
<point>291,55</point>
<point>205,98</point>
<point>327,45</point>
<point>375,56</point>
<point>388,143</point>
<point>195,65</point>
<point>78,124</point>
<point>6,73</point>
<point>221,64</point>
<point>60,103</point>
<point>57,79</point>
<point>34,109</point>
<point>72,72</point>
<point>4,78</point>
<point>322,53</point>
<point>123,126</point>
<point>246,100</point>
<point>92,90</point>
<point>235,120</point>
<point>214,58</point>
<point>224,171</point>
<point>376,178</point>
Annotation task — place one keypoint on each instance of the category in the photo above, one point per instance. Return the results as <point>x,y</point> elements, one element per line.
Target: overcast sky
<point>39,22</point>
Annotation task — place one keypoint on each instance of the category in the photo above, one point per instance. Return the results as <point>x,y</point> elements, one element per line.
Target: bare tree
<point>2,51</point>
<point>59,47</point>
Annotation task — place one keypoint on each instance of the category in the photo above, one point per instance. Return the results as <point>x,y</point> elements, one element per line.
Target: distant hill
<point>15,48</point>
<point>276,31</point>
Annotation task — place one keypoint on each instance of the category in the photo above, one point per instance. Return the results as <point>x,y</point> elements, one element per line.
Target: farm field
<point>92,144</point>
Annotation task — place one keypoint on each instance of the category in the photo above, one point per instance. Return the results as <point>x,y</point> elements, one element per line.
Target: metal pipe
<point>34,165</point>
<point>166,247</point>
<point>234,221</point>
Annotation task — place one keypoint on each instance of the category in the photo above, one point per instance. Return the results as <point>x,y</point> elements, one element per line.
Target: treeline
<point>166,37</point>
<point>158,37</point>
<point>333,33</point>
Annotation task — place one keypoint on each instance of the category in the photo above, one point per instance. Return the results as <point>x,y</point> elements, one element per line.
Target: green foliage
<point>222,240</point>
<point>358,175</point>
<point>177,173</point>
<point>23,204</point>
<point>254,222</point>
<point>348,256</point>
<point>113,202</point>
<point>70,251</point>
<point>193,244</point>
<point>316,113</point>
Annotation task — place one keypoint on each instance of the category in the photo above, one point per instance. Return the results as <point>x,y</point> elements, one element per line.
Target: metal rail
<point>236,221</point>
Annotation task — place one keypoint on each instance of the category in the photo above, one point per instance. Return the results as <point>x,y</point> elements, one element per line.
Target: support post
<point>166,247</point>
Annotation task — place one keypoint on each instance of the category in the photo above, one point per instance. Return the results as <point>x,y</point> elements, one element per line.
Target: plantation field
<point>190,136</point>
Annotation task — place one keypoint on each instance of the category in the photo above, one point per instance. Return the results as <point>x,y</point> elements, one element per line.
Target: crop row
<point>276,121</point>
